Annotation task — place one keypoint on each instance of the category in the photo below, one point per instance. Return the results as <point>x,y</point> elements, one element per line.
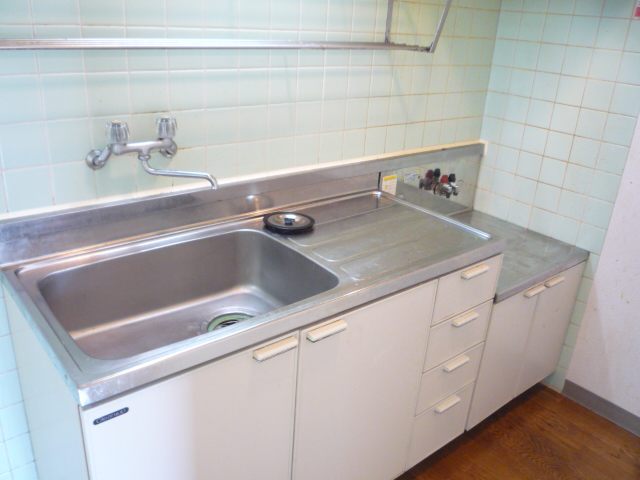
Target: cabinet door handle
<point>552,282</point>
<point>270,351</point>
<point>325,331</point>
<point>447,404</point>
<point>474,272</point>
<point>534,291</point>
<point>464,319</point>
<point>456,363</point>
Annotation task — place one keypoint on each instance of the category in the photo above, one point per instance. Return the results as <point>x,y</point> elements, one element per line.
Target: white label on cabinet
<point>389,184</point>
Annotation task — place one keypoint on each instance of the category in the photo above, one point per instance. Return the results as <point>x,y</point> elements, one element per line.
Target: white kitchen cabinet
<point>549,327</point>
<point>524,342</point>
<point>231,419</point>
<point>503,353</point>
<point>357,389</point>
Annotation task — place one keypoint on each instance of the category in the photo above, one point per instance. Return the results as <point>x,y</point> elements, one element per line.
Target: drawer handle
<point>535,291</point>
<point>270,351</point>
<point>552,282</point>
<point>447,404</point>
<point>464,319</point>
<point>325,331</point>
<point>455,364</point>
<point>474,272</point>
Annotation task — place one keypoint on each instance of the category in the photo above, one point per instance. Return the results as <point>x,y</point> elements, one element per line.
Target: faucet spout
<point>177,173</point>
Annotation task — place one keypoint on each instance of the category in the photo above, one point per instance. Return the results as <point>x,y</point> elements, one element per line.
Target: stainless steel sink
<point>133,301</point>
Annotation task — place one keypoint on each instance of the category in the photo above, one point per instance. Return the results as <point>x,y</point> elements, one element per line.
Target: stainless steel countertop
<point>375,244</point>
<point>530,257</point>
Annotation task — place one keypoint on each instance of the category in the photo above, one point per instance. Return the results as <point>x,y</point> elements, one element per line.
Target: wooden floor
<point>541,435</point>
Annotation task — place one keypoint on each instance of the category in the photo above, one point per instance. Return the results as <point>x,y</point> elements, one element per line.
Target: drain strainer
<point>227,320</point>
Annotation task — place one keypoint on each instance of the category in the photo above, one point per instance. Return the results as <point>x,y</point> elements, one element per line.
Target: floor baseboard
<point>602,407</point>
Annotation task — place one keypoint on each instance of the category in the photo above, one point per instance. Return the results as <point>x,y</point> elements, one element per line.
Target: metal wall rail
<point>214,44</point>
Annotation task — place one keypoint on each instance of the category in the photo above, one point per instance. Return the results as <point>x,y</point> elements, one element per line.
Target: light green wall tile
<point>561,6</point>
<point>15,12</point>
<point>552,171</point>
<point>591,124</point>
<point>626,100</point>
<point>23,145</point>
<point>20,99</point>
<point>108,94</point>
<point>577,179</point>
<point>584,152</point>
<point>588,7</point>
<point>72,182</point>
<point>597,95</point>
<point>577,61</point>
<point>597,213</point>
<point>612,33</point>
<point>28,188</point>
<point>93,13</point>
<point>565,229</point>
<point>605,187</point>
<point>556,29</point>
<point>186,90</point>
<point>144,12</point>
<point>612,158</point>
<point>149,91</point>
<point>252,157</point>
<point>55,12</point>
<point>619,129</point>
<point>630,69</point>
<point>564,119</point>
<point>583,31</point>
<point>64,96</point>
<point>604,65</point>
<point>590,238</point>
<point>571,205</point>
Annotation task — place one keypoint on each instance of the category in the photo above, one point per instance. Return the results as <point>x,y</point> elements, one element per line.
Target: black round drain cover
<point>288,223</point>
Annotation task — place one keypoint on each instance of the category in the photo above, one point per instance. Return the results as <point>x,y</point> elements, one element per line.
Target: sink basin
<point>130,303</point>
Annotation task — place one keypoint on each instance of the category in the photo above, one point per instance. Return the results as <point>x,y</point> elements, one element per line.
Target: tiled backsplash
<point>239,112</point>
<point>563,102</point>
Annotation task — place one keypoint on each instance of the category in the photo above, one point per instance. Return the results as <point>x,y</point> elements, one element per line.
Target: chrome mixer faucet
<point>118,135</point>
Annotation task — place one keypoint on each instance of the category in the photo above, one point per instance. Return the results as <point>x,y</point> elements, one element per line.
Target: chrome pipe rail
<point>218,44</point>
<point>191,44</point>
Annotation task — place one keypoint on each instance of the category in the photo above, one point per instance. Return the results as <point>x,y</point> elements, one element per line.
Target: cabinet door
<point>231,419</point>
<point>503,352</point>
<point>549,327</point>
<point>358,383</point>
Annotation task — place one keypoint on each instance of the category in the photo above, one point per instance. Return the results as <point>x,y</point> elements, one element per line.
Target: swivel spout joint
<point>117,134</point>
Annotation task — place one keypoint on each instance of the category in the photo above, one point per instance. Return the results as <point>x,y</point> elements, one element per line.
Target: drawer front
<point>438,425</point>
<point>448,377</point>
<point>465,288</point>
<point>454,336</point>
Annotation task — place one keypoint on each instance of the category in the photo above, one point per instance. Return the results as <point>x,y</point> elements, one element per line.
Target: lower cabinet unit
<point>524,342</point>
<point>361,396</point>
<point>231,419</point>
<point>549,327</point>
<point>357,388</point>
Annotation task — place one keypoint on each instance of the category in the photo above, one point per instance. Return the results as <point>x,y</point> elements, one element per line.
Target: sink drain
<point>227,320</point>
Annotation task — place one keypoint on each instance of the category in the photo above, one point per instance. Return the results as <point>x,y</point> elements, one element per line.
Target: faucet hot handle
<point>166,127</point>
<point>117,132</point>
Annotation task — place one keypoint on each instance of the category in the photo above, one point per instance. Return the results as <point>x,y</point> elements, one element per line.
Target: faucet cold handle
<point>166,127</point>
<point>117,132</point>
